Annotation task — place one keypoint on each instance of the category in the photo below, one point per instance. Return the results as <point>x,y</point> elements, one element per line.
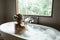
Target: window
<point>35,7</point>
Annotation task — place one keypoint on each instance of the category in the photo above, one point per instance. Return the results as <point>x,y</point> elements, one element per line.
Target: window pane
<point>35,7</point>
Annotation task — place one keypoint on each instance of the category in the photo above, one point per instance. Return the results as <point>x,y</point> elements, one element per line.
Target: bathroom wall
<point>9,10</point>
<point>1,11</point>
<point>53,21</point>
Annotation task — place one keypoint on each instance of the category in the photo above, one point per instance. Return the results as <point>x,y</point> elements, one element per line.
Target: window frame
<point>36,15</point>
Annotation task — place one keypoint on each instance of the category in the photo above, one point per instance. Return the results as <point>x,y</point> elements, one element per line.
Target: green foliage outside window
<point>35,7</point>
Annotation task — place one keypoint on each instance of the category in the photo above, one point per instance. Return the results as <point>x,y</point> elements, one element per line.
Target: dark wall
<point>53,21</point>
<point>1,10</point>
<point>9,10</point>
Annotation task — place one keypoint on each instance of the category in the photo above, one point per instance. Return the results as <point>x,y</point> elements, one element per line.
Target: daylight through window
<point>35,7</point>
